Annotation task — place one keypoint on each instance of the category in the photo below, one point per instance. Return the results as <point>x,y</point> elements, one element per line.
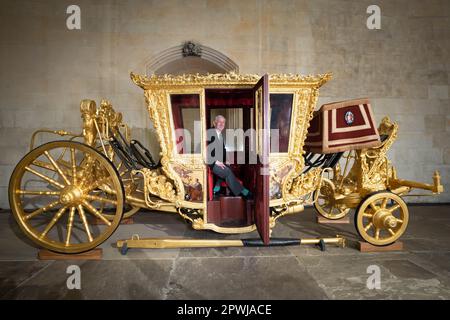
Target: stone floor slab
<point>258,278</point>
<point>134,279</point>
<point>420,271</point>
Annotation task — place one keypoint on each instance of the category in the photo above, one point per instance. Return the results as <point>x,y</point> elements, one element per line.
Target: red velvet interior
<point>233,98</point>
<point>178,102</point>
<point>229,98</point>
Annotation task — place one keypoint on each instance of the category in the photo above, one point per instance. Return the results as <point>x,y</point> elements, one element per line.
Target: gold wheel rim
<point>323,204</point>
<point>382,218</point>
<point>59,214</point>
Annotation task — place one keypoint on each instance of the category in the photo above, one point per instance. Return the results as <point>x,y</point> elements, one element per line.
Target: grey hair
<point>219,116</point>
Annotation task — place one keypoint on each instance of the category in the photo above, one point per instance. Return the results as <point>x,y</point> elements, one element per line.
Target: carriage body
<point>289,101</point>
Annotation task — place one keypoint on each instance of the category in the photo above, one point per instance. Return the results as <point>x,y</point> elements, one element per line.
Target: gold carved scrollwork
<point>98,122</point>
<point>109,119</point>
<point>157,184</point>
<point>88,111</point>
<point>227,79</point>
<point>306,183</point>
<point>306,100</point>
<point>372,166</point>
<point>158,109</point>
<point>192,79</point>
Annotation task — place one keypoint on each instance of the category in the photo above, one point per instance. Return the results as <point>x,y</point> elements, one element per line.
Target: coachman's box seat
<point>342,126</point>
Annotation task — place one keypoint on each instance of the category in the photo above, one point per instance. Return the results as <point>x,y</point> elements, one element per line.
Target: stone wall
<point>404,67</point>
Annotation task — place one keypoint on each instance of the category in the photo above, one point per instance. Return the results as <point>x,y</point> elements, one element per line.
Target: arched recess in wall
<point>190,57</point>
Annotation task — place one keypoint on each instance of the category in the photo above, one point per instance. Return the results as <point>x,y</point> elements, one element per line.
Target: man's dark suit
<point>216,151</point>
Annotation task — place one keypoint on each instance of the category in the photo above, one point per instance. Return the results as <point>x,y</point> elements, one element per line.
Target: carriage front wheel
<point>381,218</point>
<point>54,193</point>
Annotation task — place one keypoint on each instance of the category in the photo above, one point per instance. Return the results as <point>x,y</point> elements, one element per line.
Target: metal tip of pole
<point>341,241</point>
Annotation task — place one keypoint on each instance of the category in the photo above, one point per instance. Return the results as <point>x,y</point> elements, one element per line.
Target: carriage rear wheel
<point>54,193</point>
<point>381,218</point>
<point>324,203</point>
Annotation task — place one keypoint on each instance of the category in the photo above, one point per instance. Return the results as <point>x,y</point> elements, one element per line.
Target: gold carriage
<point>60,190</point>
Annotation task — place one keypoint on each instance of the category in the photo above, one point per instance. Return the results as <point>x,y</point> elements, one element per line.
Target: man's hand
<point>220,164</point>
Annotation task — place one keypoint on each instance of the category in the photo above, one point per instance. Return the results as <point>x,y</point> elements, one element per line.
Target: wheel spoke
<point>45,165</point>
<point>63,153</point>
<point>97,184</point>
<point>38,193</point>
<point>41,210</point>
<point>391,231</point>
<point>384,203</point>
<point>367,215</point>
<point>47,154</point>
<point>366,228</point>
<point>377,233</point>
<point>74,166</point>
<point>85,167</point>
<point>53,221</point>
<point>70,225</point>
<point>393,208</point>
<point>88,163</point>
<point>373,206</point>
<point>66,164</point>
<point>399,220</point>
<point>48,179</point>
<point>101,199</point>
<point>107,188</point>
<point>96,213</point>
<point>122,173</point>
<point>85,223</point>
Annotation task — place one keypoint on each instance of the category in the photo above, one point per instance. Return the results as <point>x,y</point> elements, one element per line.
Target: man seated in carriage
<point>217,160</point>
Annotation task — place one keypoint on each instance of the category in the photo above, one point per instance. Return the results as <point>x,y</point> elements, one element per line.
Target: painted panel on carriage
<point>277,174</point>
<point>192,181</point>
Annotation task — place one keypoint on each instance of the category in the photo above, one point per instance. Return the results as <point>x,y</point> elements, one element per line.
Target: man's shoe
<point>248,196</point>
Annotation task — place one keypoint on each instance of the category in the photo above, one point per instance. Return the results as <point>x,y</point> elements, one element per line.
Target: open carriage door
<point>261,213</point>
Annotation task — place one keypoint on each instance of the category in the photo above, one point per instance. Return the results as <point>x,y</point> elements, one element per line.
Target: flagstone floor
<point>420,271</point>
